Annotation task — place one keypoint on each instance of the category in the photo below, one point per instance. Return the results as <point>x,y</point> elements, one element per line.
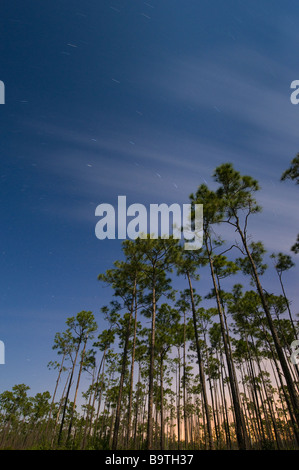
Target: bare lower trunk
<point>241,432</point>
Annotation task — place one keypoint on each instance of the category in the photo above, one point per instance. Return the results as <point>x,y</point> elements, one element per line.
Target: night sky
<point>124,97</point>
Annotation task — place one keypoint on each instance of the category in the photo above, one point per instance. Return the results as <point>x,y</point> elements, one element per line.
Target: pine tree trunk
<point>201,369</point>
<point>131,378</point>
<point>288,305</point>
<point>184,384</point>
<point>149,444</point>
<point>67,394</point>
<point>240,425</point>
<point>77,388</point>
<point>278,347</point>
<point>96,390</point>
<point>123,372</point>
<point>54,394</point>
<point>162,431</point>
<point>286,396</point>
<point>179,400</point>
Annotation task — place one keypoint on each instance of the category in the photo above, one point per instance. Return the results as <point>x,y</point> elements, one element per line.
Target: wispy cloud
<point>248,91</point>
<point>243,96</point>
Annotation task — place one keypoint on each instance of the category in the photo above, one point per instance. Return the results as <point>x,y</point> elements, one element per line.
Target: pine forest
<point>178,366</point>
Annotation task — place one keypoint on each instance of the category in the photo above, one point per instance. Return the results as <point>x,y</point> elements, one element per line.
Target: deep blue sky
<point>125,97</point>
